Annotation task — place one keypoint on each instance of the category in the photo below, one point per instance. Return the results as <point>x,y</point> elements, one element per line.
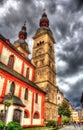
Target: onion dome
<point>44,22</point>
<point>23,33</point>
<point>21,43</point>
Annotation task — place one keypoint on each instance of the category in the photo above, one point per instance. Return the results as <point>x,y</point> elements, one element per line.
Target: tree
<point>64,110</point>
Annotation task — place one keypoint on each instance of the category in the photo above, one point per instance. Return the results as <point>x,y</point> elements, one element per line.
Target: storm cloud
<point>66,23</point>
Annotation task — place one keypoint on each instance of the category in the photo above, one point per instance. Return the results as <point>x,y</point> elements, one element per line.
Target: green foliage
<point>13,126</point>
<point>51,123</point>
<point>64,110</point>
<point>2,125</point>
<point>65,120</point>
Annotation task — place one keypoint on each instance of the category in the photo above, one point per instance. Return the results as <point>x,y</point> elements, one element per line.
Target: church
<point>28,87</point>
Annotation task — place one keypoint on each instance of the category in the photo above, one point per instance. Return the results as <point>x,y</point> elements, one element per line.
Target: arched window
<point>12,88</point>
<point>36,115</point>
<point>27,73</point>
<point>26,114</point>
<point>11,61</point>
<point>26,94</point>
<point>58,98</point>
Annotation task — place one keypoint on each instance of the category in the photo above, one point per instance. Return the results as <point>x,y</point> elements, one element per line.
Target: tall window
<point>11,61</point>
<point>12,88</point>
<point>36,98</point>
<point>36,115</point>
<point>26,94</point>
<point>26,114</point>
<point>58,98</point>
<point>27,73</point>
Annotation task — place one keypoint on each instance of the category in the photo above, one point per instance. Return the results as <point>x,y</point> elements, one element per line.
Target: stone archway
<point>17,115</point>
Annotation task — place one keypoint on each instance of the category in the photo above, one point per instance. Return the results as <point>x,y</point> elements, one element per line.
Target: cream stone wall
<point>1,107</point>
<point>9,118</point>
<point>36,121</point>
<point>5,55</point>
<point>22,93</point>
<point>8,86</point>
<point>17,61</point>
<point>18,64</point>
<point>2,79</point>
<point>26,121</point>
<point>28,103</point>
<point>30,74</point>
<point>17,87</point>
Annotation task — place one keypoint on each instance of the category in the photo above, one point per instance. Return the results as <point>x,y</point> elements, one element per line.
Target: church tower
<point>43,59</point>
<point>21,44</point>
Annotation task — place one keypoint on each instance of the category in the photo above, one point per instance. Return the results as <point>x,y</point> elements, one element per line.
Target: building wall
<point>20,66</point>
<point>75,116</point>
<point>28,103</point>
<point>60,97</point>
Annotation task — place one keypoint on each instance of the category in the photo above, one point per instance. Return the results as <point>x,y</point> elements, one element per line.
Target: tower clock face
<point>39,51</point>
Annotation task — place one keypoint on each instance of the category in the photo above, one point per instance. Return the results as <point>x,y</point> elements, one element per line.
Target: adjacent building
<point>81,108</point>
<point>75,115</point>
<point>60,96</point>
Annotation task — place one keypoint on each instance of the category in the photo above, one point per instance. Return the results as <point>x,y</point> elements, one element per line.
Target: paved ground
<point>72,128</point>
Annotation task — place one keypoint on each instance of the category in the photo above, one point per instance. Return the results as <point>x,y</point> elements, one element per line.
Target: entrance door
<point>17,115</point>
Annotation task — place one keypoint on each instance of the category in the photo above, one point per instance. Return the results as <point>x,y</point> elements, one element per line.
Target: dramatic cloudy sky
<point>66,23</point>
